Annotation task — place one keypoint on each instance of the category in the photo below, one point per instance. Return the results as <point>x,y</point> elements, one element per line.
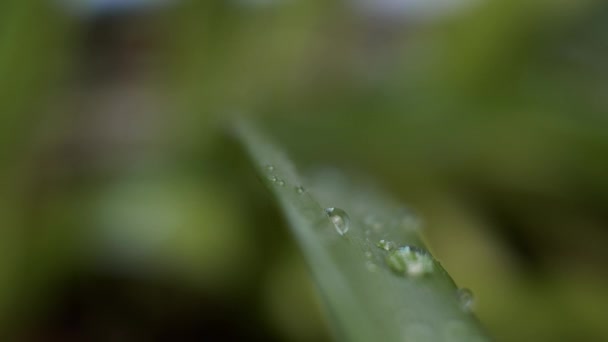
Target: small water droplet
<point>339,218</point>
<point>466,298</point>
<point>411,261</point>
<point>280,182</point>
<point>386,245</point>
<point>300,189</point>
<point>273,179</point>
<point>269,168</point>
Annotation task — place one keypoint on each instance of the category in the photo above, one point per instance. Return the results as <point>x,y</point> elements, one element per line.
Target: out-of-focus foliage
<point>492,122</point>
<point>127,212</point>
<point>29,58</point>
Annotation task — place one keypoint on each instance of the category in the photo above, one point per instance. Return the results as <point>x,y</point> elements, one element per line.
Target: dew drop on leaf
<point>386,245</point>
<point>280,182</point>
<point>410,261</point>
<point>339,218</point>
<point>300,189</point>
<point>466,299</point>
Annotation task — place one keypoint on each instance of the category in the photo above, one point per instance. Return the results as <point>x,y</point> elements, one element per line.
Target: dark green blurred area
<point>129,213</point>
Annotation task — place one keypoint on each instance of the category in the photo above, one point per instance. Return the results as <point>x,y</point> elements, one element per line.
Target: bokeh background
<point>128,213</point>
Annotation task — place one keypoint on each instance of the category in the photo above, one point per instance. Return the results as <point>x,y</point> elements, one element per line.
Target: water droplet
<point>411,261</point>
<point>280,182</point>
<point>300,189</point>
<point>466,298</point>
<point>386,245</point>
<point>269,168</point>
<point>339,218</point>
<point>273,179</point>
<point>369,255</point>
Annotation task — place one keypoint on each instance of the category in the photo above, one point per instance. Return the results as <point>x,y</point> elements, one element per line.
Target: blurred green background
<point>128,213</point>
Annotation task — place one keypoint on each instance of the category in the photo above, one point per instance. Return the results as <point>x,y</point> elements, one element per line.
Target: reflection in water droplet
<point>466,298</point>
<point>410,261</point>
<point>386,245</point>
<point>339,218</point>
<point>300,189</point>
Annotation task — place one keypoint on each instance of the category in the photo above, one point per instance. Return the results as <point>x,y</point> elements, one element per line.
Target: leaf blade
<point>366,300</point>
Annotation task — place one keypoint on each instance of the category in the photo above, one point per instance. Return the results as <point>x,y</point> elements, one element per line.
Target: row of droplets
<point>407,261</point>
<point>279,181</point>
<point>337,216</point>
<point>273,178</point>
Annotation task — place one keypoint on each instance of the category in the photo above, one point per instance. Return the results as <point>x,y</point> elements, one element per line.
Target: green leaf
<point>377,280</point>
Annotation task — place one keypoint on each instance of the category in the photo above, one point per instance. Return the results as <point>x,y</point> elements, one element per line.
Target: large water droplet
<point>339,218</point>
<point>410,261</point>
<point>386,245</point>
<point>466,299</point>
